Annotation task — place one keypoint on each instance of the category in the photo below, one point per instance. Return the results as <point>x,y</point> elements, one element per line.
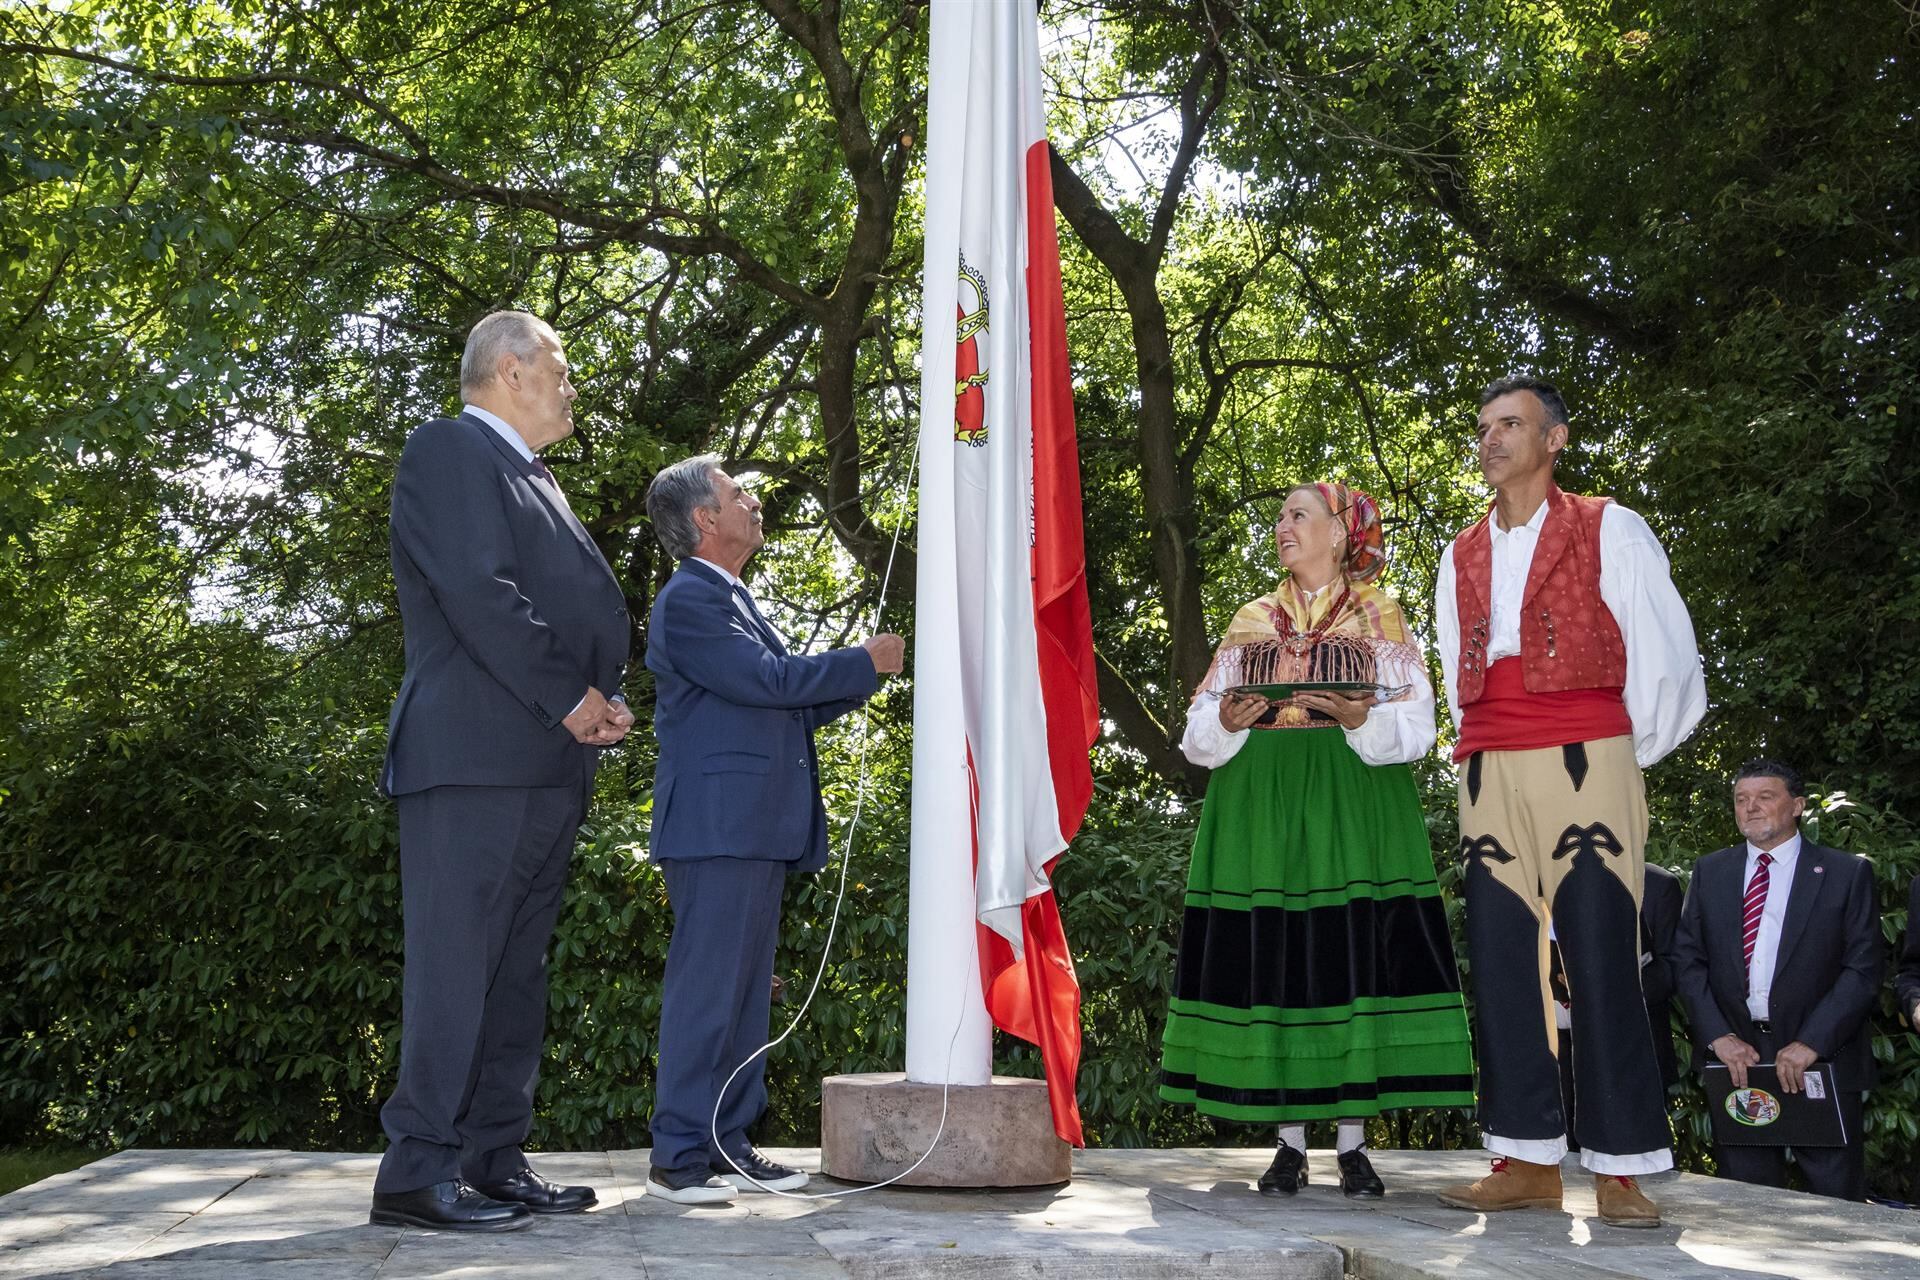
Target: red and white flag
<point>1005,702</point>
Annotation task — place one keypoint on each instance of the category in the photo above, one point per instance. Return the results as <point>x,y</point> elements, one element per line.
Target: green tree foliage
<point>241,241</point>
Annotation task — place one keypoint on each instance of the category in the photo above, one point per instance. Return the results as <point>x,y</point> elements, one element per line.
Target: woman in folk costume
<point>1316,978</point>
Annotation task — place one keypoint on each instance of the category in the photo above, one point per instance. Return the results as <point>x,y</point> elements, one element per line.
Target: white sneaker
<point>757,1173</point>
<point>691,1187</point>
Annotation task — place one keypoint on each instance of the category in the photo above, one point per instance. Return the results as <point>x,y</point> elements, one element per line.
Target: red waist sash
<point>1506,717</point>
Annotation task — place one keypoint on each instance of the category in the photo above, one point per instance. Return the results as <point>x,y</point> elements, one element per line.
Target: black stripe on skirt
<point>1317,957</point>
<point>1352,1091</point>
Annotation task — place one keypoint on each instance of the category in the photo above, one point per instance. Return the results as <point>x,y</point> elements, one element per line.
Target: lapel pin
<point>1819,871</point>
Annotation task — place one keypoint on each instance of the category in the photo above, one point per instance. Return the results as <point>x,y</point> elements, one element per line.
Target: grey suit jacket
<point>510,612</point>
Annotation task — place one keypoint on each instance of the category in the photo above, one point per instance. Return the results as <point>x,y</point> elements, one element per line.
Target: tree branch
<point>1194,115</point>
<point>608,219</point>
<point>1140,729</point>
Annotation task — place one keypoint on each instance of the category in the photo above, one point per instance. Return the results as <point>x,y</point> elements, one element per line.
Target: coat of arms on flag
<point>969,378</point>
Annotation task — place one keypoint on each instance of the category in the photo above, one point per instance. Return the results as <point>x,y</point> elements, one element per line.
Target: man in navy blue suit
<point>516,643</point>
<point>736,807</point>
<point>1779,959</point>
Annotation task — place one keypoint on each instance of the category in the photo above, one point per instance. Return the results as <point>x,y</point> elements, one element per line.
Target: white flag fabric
<point>1005,711</point>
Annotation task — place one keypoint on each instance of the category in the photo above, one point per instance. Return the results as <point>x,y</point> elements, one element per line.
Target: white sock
<point>1294,1135</point>
<point>1352,1136</point>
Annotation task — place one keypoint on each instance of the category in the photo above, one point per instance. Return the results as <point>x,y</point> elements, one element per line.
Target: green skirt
<point>1316,978</point>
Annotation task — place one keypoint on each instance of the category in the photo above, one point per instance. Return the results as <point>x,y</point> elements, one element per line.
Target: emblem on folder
<point>1754,1107</point>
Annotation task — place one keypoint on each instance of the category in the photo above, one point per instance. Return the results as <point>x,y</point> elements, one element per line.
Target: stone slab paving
<point>1127,1215</point>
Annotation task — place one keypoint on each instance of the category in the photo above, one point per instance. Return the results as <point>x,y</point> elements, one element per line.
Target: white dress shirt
<point>519,446</point>
<point>734,581</point>
<point>1766,943</point>
<point>499,425</point>
<point>1666,693</point>
<point>1393,732</point>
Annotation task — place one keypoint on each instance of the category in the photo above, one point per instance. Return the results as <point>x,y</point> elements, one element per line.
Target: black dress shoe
<point>530,1189</point>
<point>1286,1175</point>
<point>1358,1181</point>
<point>447,1206</point>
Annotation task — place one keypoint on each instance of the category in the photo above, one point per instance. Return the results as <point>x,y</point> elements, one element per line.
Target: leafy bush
<point>201,919</point>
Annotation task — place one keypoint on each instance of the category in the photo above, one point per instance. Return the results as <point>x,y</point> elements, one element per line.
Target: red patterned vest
<point>1572,661</point>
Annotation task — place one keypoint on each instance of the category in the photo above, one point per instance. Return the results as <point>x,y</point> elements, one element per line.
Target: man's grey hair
<point>673,497</point>
<point>500,333</point>
<point>1545,392</point>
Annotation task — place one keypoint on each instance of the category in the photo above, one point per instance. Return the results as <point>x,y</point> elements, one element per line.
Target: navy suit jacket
<point>1825,979</point>
<point>510,611</point>
<point>735,714</point>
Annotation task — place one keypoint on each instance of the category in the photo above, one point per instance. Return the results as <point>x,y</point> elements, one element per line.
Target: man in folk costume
<point>1570,665</point>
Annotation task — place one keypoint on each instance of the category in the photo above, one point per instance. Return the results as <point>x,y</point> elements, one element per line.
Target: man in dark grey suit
<point>736,808</point>
<point>1779,959</point>
<point>516,643</point>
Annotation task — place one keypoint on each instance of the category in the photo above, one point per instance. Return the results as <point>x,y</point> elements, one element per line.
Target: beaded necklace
<point>1298,641</point>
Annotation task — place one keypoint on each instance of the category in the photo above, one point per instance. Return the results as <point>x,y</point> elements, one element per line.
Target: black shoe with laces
<point>447,1206</point>
<point>1286,1175</point>
<point>530,1189</point>
<point>688,1186</point>
<point>757,1173</point>
<point>1358,1181</point>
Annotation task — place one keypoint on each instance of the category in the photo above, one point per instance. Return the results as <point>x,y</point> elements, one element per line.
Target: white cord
<point>833,924</point>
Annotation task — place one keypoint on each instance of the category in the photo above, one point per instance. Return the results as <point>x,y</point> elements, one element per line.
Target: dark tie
<point>541,469</point>
<point>1751,911</point>
<point>767,632</point>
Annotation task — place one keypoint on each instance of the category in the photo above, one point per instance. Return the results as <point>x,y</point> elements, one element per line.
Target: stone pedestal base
<point>997,1135</point>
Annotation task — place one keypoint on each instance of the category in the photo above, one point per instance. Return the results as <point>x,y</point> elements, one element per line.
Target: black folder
<point>1761,1115</point>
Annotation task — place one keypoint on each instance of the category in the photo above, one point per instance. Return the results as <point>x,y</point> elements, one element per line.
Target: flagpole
<point>993,803</point>
<point>949,1037</point>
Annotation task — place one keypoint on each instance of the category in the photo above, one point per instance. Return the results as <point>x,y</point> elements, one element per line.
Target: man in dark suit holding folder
<point>516,642</point>
<point>1779,961</point>
<point>736,808</point>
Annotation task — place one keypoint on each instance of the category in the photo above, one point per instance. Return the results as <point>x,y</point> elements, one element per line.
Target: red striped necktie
<point>1751,911</point>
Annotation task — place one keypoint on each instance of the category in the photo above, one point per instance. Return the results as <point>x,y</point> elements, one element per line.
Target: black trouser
<point>1840,1172</point>
<point>482,870</point>
<point>1566,1074</point>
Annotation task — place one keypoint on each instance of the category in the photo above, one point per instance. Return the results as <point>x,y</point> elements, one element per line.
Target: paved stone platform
<point>277,1215</point>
